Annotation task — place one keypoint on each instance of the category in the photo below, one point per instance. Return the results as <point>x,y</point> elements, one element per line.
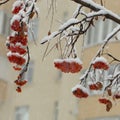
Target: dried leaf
<point>96,18</point>
<point>108,106</point>
<point>49,32</point>
<point>57,46</point>
<point>32,14</point>
<point>109,91</point>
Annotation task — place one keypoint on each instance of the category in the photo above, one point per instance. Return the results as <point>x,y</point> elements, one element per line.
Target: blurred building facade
<point>48,92</point>
<point>91,109</point>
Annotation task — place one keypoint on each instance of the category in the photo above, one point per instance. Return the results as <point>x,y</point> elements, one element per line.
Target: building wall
<point>90,108</point>
<point>48,95</point>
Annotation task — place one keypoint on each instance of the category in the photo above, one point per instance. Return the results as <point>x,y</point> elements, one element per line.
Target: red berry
<point>20,82</point>
<point>17,68</point>
<point>66,65</point>
<point>103,100</point>
<point>93,87</point>
<point>16,26</point>
<point>18,89</point>
<point>16,59</point>
<point>63,66</point>
<point>17,49</point>
<point>80,93</point>
<point>17,6</point>
<point>16,9</point>
<point>75,67</point>
<point>117,96</point>
<point>100,63</point>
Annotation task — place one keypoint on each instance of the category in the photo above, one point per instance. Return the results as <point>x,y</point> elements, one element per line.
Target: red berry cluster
<point>66,65</point>
<point>17,59</point>
<point>116,96</point>
<point>17,49</point>
<point>17,6</point>
<point>107,102</point>
<point>96,86</point>
<point>20,83</point>
<point>80,92</point>
<point>100,63</point>
<point>18,40</point>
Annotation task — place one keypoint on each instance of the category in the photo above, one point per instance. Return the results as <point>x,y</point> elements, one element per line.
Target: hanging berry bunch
<point>80,92</point>
<point>72,65</point>
<point>69,61</point>
<point>17,42</point>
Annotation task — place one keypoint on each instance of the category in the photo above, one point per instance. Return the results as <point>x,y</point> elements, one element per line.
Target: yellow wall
<point>47,87</point>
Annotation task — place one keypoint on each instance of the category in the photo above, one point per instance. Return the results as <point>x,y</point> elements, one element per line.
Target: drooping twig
<point>4,2</point>
<point>26,65</point>
<point>115,59</point>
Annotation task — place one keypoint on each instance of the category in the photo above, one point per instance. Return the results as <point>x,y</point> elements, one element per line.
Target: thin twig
<point>1,3</point>
<point>27,64</point>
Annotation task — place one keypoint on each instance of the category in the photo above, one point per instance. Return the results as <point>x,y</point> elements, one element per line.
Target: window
<point>22,113</point>
<point>65,16</point>
<point>1,21</point>
<point>97,33</point>
<point>33,31</point>
<point>59,76</point>
<point>56,110</point>
<point>4,23</point>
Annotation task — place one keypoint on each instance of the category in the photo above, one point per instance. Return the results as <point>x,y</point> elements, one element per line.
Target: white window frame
<point>5,23</point>
<point>22,113</point>
<point>93,39</point>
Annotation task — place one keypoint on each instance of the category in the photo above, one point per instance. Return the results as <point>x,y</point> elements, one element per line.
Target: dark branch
<point>26,66</point>
<point>1,3</point>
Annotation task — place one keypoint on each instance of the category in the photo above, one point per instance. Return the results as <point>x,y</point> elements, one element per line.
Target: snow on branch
<point>88,18</point>
<point>96,7</point>
<point>49,37</point>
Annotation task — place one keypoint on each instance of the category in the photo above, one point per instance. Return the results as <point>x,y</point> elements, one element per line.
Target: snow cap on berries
<point>72,65</point>
<point>100,63</point>
<point>17,6</point>
<point>80,91</point>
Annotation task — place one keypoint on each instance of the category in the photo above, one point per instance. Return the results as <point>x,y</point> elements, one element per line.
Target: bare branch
<point>3,2</point>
